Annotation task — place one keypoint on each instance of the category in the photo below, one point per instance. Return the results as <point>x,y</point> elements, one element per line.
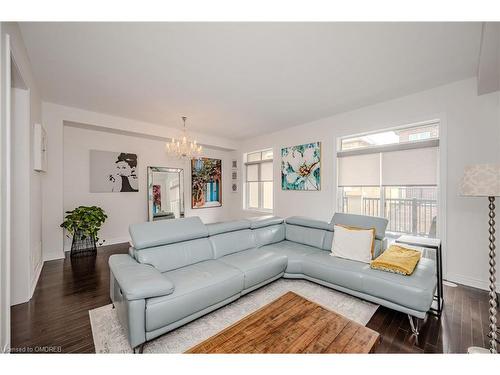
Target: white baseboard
<point>36,276</point>
<point>53,256</point>
<point>470,281</point>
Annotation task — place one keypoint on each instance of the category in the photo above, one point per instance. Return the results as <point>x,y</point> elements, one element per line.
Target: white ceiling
<point>242,79</point>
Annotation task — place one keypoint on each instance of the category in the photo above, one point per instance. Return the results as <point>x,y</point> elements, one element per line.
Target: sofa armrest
<point>138,281</point>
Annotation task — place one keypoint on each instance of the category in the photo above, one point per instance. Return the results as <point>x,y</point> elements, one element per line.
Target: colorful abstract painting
<point>300,167</point>
<point>206,183</point>
<point>156,198</point>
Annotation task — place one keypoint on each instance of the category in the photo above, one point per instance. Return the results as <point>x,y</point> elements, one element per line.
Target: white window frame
<point>260,182</point>
<point>371,149</point>
<point>441,200</point>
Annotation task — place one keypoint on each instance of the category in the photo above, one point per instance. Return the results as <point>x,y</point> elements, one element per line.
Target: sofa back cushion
<point>232,242</point>
<point>309,232</point>
<point>268,235</point>
<point>172,256</point>
<point>230,237</point>
<point>265,221</point>
<point>379,248</point>
<point>307,236</point>
<point>164,232</point>
<point>327,241</point>
<point>267,230</point>
<point>362,221</point>
<point>227,226</point>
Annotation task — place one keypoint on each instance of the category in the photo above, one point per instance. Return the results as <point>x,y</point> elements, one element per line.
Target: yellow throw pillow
<point>397,259</point>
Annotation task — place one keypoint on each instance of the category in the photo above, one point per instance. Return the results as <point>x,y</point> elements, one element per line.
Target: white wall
<point>118,132</point>
<point>124,209</point>
<point>4,196</point>
<point>32,228</point>
<point>20,257</point>
<point>470,134</point>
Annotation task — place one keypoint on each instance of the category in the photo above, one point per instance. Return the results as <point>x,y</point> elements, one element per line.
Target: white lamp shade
<point>481,180</point>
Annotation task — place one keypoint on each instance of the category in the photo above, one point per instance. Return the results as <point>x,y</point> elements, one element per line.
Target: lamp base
<point>477,350</point>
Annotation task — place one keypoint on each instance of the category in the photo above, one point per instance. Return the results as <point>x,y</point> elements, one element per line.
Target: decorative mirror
<point>165,193</point>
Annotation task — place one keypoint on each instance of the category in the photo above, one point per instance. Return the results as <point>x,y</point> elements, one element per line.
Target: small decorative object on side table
<point>434,244</point>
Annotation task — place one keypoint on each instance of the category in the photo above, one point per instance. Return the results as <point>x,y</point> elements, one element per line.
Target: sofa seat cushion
<point>415,291</point>
<point>197,287</point>
<point>258,265</point>
<point>339,271</point>
<point>295,252</point>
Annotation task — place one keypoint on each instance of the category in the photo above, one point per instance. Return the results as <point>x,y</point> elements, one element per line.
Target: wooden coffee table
<point>291,324</point>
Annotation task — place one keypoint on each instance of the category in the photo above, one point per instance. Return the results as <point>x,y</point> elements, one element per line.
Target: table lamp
<point>483,180</point>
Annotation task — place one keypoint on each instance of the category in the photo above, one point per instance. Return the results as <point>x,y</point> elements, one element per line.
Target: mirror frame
<point>180,171</point>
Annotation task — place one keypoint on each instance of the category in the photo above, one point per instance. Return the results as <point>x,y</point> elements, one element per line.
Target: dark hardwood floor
<point>56,319</point>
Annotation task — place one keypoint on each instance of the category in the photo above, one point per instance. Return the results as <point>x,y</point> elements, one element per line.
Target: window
<point>391,137</point>
<point>393,174</point>
<point>419,136</point>
<point>258,189</point>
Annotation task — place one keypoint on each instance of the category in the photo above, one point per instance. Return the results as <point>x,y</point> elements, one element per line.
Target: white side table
<point>435,244</point>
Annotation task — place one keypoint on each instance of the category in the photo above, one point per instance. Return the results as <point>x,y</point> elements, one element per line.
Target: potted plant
<point>84,223</point>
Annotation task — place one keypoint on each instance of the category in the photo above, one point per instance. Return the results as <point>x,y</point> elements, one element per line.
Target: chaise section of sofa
<point>411,295</point>
<point>179,270</point>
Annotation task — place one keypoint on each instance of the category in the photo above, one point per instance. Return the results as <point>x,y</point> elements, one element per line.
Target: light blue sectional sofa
<point>179,270</point>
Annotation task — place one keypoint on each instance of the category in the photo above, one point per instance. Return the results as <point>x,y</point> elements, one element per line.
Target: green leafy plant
<point>85,221</point>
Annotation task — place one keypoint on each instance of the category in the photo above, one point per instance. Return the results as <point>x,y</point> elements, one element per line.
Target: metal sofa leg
<point>139,349</point>
<point>414,324</point>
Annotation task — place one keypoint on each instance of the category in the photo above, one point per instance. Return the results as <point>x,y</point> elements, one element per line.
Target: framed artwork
<point>234,164</point>
<point>300,167</point>
<point>156,198</point>
<point>206,183</point>
<point>234,175</point>
<point>234,186</point>
<point>113,172</point>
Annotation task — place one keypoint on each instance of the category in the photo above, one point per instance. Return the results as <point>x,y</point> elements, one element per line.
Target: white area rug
<point>109,337</point>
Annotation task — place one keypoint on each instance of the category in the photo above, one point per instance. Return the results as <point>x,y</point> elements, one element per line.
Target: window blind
<point>407,167</point>
<point>253,172</point>
<point>258,189</point>
<point>410,167</point>
<point>359,170</point>
<point>266,171</point>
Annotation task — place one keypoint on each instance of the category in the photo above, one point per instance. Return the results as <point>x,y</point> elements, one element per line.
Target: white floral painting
<point>300,167</point>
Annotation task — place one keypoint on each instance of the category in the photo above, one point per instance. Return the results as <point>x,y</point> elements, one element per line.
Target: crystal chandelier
<point>184,147</point>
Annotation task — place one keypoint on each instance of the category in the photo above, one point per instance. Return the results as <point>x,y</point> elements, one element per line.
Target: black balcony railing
<point>406,215</point>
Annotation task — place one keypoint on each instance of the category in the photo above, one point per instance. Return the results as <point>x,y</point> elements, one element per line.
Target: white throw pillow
<point>353,243</point>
